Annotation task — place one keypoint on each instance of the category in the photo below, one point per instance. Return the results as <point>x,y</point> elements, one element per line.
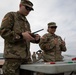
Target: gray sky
<point>59,11</point>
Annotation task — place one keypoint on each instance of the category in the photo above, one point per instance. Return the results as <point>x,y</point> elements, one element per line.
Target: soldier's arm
<point>63,45</point>
<point>6,28</point>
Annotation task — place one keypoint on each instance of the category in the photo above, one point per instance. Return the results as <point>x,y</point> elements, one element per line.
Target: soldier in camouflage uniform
<point>39,53</point>
<point>34,57</point>
<point>15,30</point>
<point>52,45</point>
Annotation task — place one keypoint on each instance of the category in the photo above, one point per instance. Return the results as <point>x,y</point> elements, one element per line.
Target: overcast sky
<point>45,11</point>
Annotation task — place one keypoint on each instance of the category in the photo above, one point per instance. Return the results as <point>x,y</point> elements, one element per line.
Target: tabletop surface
<point>50,67</point>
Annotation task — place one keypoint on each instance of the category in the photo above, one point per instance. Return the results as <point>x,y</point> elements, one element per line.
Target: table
<point>58,67</point>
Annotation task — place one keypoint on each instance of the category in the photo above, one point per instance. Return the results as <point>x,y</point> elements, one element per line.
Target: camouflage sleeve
<point>46,44</point>
<point>63,47</point>
<point>6,28</point>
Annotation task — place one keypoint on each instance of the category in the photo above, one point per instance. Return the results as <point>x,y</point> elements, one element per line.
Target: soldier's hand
<point>55,41</point>
<point>63,42</point>
<point>26,36</point>
<point>37,36</point>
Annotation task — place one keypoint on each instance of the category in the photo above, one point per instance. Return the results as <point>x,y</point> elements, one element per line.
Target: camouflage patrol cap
<point>52,24</point>
<point>27,3</point>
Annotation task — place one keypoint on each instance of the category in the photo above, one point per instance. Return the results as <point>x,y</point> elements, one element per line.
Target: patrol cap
<point>27,3</point>
<point>52,24</point>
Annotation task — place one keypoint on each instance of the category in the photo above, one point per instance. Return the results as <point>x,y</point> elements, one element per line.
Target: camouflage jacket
<point>13,24</point>
<point>52,52</point>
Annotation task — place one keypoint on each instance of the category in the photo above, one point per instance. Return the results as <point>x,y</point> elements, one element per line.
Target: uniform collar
<point>21,16</point>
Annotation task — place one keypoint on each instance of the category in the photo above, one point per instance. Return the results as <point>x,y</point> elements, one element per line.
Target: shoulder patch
<point>4,19</point>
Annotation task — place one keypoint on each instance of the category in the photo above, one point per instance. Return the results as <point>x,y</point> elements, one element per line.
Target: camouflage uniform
<point>16,49</point>
<point>52,51</point>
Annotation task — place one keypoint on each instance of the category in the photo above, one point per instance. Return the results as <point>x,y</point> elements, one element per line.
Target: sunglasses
<point>28,8</point>
<point>53,27</point>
